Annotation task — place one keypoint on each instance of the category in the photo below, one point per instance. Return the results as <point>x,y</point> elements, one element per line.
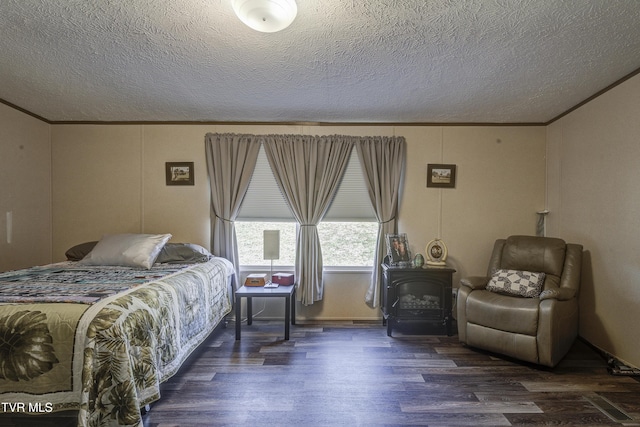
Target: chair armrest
<point>475,282</point>
<point>561,294</point>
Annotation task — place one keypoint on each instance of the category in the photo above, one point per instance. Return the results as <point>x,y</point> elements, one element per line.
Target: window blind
<point>351,202</point>
<point>265,202</point>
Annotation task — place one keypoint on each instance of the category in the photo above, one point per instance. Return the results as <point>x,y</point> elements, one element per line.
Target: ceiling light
<point>267,16</point>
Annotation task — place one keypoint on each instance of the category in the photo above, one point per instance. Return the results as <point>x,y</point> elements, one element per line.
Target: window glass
<point>344,244</point>
<point>250,246</point>
<point>348,244</point>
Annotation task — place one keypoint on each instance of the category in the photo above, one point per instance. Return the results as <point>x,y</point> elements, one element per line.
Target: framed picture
<point>179,173</point>
<point>442,176</point>
<point>398,249</point>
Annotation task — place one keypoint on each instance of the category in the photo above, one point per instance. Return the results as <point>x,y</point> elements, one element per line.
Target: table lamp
<point>271,244</point>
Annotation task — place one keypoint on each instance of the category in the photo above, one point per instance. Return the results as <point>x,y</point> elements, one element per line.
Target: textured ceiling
<point>438,61</point>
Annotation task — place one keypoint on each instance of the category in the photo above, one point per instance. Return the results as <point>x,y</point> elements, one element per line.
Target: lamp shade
<point>267,16</point>
<point>271,244</point>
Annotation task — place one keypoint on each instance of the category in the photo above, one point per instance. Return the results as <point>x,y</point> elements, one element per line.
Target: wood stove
<point>417,295</point>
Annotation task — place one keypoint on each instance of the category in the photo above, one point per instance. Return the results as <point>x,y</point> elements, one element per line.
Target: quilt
<point>108,341</point>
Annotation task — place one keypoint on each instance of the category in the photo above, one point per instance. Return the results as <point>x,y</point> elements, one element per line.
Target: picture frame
<point>441,176</point>
<point>179,173</point>
<point>398,249</point>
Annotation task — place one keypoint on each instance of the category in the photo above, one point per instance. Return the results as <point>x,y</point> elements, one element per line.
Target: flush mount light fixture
<point>267,16</point>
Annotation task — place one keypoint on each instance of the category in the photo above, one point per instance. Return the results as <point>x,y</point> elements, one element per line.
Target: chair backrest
<point>532,253</point>
<point>561,262</point>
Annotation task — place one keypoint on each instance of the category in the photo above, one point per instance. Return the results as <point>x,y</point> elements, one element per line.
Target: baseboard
<point>616,366</point>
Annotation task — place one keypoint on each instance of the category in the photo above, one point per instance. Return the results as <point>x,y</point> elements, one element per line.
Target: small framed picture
<point>441,176</point>
<point>398,249</point>
<point>179,173</point>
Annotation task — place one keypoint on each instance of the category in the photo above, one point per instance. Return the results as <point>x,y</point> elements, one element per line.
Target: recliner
<point>538,329</point>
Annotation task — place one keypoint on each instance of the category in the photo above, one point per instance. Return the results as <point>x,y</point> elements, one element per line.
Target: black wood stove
<point>417,295</point>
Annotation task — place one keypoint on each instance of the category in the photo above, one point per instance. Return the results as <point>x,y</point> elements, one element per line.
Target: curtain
<point>308,170</point>
<point>231,159</point>
<point>382,160</point>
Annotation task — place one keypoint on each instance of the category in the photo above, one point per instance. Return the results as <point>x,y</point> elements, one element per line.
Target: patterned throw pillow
<point>516,282</point>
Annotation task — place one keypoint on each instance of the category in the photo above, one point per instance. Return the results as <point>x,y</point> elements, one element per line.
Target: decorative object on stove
<point>398,249</point>
<point>418,260</point>
<point>436,252</point>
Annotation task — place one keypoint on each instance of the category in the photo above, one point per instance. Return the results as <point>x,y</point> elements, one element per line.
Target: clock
<point>436,252</point>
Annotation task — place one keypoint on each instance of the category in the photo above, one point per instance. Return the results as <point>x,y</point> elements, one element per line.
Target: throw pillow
<point>515,282</point>
<point>127,250</point>
<point>183,253</point>
<point>77,252</point>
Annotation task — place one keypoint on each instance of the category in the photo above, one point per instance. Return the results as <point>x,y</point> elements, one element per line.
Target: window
<point>348,244</point>
<point>347,234</point>
<point>249,235</point>
<point>344,244</point>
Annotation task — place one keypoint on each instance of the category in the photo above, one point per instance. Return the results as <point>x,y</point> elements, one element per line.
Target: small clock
<point>436,252</point>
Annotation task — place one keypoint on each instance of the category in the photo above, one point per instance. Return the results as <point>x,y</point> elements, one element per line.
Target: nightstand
<point>248,292</point>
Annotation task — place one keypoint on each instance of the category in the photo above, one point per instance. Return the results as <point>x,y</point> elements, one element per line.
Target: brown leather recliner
<point>539,329</point>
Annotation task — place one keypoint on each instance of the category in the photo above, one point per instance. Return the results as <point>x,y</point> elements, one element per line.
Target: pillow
<point>77,252</point>
<point>127,250</point>
<point>516,282</point>
<point>183,253</point>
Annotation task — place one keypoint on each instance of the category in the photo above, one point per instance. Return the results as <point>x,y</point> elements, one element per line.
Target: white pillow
<point>127,250</point>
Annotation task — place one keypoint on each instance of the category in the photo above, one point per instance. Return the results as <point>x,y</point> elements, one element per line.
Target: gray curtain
<point>231,159</point>
<point>308,170</point>
<point>382,160</point>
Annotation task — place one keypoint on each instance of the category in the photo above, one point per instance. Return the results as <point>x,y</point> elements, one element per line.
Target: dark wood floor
<point>346,374</point>
<point>355,375</point>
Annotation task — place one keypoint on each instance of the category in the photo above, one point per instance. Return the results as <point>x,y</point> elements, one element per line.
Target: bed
<point>100,338</point>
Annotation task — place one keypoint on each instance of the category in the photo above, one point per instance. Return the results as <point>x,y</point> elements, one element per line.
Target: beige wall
<point>110,178</point>
<point>494,165</point>
<point>96,179</point>
<point>25,189</point>
<point>594,199</point>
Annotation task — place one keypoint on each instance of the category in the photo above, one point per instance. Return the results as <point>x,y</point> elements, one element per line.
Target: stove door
<point>416,298</point>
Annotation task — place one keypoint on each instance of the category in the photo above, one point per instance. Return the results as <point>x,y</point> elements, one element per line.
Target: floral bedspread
<point>107,358</point>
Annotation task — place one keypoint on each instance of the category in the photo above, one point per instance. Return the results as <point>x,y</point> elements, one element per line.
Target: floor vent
<point>608,408</point>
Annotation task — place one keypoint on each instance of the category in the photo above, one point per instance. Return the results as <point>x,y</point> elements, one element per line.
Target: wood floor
<point>353,374</point>
<point>348,374</point>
